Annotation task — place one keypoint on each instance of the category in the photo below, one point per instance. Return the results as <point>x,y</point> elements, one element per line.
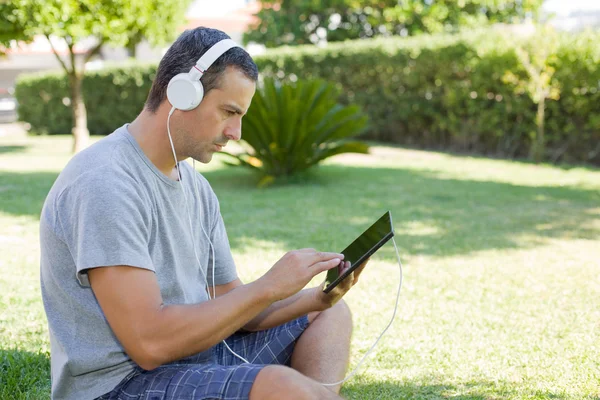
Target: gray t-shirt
<point>112,206</point>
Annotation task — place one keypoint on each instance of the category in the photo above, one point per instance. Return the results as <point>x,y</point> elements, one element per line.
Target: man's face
<point>218,119</point>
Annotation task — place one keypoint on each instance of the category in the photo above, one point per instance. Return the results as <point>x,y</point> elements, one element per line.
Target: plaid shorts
<point>225,377</point>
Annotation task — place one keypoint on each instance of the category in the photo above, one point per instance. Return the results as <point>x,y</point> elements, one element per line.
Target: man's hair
<point>183,55</point>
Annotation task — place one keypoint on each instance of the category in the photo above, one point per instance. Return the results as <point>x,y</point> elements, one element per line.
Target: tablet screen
<point>362,248</point>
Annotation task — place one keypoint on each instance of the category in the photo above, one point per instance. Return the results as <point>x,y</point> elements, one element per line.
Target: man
<point>132,241</point>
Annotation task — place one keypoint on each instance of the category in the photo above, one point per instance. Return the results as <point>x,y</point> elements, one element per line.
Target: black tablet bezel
<point>366,255</point>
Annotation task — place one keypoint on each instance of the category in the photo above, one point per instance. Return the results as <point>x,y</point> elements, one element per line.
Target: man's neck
<point>150,132</point>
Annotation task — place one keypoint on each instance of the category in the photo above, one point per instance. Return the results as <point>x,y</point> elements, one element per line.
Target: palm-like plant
<point>291,127</point>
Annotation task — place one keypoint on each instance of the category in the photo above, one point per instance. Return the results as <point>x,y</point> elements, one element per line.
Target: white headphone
<point>185,90</point>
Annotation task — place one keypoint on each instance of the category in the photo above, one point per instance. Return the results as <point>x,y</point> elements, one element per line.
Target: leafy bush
<point>443,91</point>
<point>447,91</point>
<point>292,127</point>
<point>113,96</point>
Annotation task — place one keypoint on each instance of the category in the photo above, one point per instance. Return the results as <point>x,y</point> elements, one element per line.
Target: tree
<point>537,57</point>
<point>113,22</point>
<point>10,27</point>
<point>294,22</point>
<point>145,24</point>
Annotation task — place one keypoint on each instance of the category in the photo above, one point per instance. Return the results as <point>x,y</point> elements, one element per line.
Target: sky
<point>564,7</point>
<point>211,8</point>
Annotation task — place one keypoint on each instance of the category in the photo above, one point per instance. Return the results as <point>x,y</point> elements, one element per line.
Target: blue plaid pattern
<point>225,377</point>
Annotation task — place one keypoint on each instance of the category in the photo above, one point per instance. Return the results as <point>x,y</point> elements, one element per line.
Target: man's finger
<point>321,256</point>
<point>344,285</point>
<point>359,270</point>
<point>344,265</point>
<point>348,281</point>
<point>322,266</point>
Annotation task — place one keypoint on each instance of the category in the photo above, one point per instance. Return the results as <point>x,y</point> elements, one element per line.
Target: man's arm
<point>299,304</point>
<point>279,312</point>
<point>153,333</point>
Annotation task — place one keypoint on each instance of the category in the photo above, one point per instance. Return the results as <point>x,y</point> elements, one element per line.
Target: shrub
<point>292,127</point>
<point>442,91</point>
<point>447,91</point>
<point>112,96</point>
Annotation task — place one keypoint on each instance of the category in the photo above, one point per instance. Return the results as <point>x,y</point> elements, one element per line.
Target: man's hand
<point>329,299</point>
<point>295,269</point>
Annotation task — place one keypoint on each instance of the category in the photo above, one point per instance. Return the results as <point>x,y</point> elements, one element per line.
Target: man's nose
<point>234,131</point>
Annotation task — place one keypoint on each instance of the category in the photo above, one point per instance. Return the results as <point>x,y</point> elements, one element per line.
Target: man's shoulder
<point>94,171</point>
<point>202,181</point>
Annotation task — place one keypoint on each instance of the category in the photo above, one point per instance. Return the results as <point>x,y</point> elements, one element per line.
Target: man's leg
<point>276,382</point>
<point>323,351</point>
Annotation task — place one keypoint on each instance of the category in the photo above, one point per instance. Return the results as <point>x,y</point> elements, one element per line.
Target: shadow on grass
<point>466,391</point>
<point>433,214</point>
<point>565,166</point>
<point>24,375</point>
<point>12,149</point>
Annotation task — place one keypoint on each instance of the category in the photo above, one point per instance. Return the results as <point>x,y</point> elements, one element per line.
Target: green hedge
<point>113,96</point>
<point>444,92</point>
<point>448,91</point>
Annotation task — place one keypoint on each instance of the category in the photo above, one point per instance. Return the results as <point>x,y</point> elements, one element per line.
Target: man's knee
<point>276,382</point>
<point>340,313</point>
<point>342,308</point>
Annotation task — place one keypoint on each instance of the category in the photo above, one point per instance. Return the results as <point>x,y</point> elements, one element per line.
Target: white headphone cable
<point>201,225</point>
<point>184,195</point>
<point>355,370</point>
<point>212,248</point>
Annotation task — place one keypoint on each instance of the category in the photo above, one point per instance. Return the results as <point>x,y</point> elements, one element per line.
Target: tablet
<point>362,248</point>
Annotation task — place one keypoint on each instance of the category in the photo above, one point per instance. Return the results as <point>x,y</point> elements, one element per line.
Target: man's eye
<point>230,112</point>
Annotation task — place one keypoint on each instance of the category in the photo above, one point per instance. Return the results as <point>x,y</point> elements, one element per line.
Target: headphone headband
<point>185,90</point>
<point>213,53</point>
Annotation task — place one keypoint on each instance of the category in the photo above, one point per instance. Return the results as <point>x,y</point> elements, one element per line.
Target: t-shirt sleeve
<point>105,222</point>
<point>225,269</point>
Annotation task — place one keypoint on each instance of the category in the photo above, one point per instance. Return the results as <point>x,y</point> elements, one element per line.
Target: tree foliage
<point>115,22</point>
<point>293,22</point>
<point>11,27</point>
<point>450,92</point>
<point>538,57</point>
<point>110,21</point>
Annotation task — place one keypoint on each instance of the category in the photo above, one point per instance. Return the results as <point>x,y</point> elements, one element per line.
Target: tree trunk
<point>131,46</point>
<point>80,132</point>
<point>132,49</point>
<point>539,146</point>
<point>81,135</point>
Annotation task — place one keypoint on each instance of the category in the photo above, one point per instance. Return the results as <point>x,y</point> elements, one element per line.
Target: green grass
<point>501,296</point>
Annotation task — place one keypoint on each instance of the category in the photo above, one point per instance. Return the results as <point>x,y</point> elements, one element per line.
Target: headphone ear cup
<point>184,93</point>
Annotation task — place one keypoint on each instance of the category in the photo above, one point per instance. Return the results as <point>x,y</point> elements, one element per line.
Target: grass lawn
<point>501,296</point>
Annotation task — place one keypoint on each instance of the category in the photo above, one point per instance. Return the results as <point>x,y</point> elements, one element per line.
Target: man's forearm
<point>285,310</point>
<point>183,330</point>
<point>153,333</point>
